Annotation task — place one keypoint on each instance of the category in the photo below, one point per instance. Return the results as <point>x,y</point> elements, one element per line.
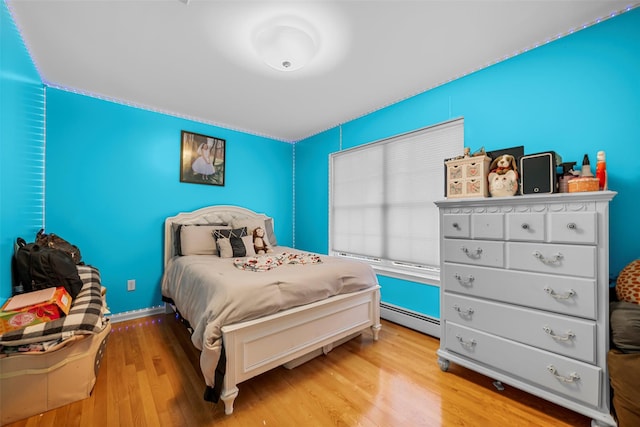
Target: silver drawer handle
<point>572,226</point>
<point>464,282</point>
<point>554,260</point>
<point>569,336</point>
<point>469,344</point>
<point>471,254</point>
<point>570,293</point>
<point>573,376</point>
<point>468,312</point>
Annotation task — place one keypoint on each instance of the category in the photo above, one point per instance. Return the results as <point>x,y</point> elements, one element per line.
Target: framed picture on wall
<point>202,159</point>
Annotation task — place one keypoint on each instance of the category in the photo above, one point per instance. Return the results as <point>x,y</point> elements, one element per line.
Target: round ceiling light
<point>285,47</point>
<point>244,30</point>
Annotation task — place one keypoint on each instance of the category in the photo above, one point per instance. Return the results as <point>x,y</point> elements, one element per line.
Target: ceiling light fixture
<point>243,33</point>
<point>285,47</point>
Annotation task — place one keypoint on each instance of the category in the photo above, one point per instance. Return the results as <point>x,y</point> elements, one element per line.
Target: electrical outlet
<point>131,285</point>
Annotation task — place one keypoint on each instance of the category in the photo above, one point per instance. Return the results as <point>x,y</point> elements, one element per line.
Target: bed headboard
<point>208,215</point>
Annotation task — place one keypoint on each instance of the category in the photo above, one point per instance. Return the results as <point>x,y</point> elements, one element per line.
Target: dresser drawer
<point>566,295</point>
<point>574,227</point>
<point>476,252</point>
<point>564,335</point>
<point>555,259</point>
<point>456,225</point>
<point>582,381</point>
<point>488,226</point>
<point>526,226</point>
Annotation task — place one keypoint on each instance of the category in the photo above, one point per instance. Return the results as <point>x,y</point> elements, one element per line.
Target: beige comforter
<point>210,292</point>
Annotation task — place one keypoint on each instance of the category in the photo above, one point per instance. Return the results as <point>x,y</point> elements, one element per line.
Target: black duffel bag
<point>43,267</point>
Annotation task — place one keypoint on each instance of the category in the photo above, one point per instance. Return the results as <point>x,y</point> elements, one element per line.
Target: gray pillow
<point>625,326</point>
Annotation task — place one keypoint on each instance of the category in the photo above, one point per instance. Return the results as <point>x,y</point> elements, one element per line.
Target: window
<point>381,200</point>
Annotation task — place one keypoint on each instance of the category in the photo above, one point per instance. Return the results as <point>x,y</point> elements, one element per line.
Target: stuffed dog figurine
<point>502,164</point>
<point>503,176</point>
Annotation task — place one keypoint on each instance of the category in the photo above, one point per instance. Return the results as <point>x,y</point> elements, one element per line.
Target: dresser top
<point>585,196</point>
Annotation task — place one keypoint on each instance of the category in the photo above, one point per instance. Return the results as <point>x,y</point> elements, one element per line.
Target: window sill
<point>427,276</point>
<point>431,278</point>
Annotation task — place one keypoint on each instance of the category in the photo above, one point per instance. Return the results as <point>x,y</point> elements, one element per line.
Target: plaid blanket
<point>85,315</point>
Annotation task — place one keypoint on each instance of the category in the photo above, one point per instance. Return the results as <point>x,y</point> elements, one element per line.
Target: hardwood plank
<point>150,376</point>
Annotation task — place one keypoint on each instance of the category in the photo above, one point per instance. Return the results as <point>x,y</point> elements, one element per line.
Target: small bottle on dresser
<point>601,171</point>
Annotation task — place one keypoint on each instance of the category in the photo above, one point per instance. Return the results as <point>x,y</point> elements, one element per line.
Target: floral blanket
<point>269,262</point>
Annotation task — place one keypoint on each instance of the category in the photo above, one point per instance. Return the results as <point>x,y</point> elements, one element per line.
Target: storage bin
<point>32,383</point>
<point>467,177</point>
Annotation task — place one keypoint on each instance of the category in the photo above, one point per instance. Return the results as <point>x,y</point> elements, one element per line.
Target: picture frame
<point>202,159</point>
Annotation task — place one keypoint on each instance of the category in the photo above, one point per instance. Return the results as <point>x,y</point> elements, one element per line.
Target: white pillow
<point>224,246</point>
<point>198,239</point>
<point>248,245</point>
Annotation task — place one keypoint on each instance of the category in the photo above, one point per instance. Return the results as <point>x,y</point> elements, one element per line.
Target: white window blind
<point>382,194</point>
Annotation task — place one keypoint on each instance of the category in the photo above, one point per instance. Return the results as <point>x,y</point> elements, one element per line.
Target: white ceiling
<point>193,58</point>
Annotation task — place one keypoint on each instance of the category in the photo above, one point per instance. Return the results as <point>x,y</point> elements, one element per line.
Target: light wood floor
<point>150,377</point>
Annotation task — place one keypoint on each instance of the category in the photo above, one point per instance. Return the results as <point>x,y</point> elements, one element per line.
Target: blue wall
<point>21,146</point>
<point>113,177</point>
<point>112,170</point>
<point>576,95</point>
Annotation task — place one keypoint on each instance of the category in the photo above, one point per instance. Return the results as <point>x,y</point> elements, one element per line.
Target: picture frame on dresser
<point>525,294</point>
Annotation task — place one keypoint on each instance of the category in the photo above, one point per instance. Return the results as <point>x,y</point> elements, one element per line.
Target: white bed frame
<point>287,338</point>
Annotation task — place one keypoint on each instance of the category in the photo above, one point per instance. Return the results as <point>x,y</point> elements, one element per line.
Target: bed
<point>249,313</point>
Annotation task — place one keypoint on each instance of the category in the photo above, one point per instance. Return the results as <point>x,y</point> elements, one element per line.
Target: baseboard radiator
<point>410,319</point>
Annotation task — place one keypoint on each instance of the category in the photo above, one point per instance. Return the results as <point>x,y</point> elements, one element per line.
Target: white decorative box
<point>467,177</point>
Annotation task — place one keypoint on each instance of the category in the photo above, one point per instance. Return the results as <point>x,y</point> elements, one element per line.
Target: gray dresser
<point>525,294</point>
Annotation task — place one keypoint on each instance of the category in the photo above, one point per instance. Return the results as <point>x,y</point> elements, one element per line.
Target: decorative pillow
<point>227,238</point>
<point>628,283</point>
<point>195,239</point>
<point>253,223</point>
<point>271,235</point>
<point>625,326</point>
<point>224,247</point>
<point>248,245</point>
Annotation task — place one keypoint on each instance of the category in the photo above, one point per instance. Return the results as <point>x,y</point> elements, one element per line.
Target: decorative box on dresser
<point>525,294</point>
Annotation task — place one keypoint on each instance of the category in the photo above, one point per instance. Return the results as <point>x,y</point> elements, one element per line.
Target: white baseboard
<point>410,319</point>
<point>401,316</point>
<point>135,314</point>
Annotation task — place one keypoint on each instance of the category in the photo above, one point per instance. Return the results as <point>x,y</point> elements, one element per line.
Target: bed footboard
<point>256,346</point>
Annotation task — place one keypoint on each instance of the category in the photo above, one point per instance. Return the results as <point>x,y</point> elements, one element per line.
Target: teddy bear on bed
<point>259,242</point>
<point>503,176</point>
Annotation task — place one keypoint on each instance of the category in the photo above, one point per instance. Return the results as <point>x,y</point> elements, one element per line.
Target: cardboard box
<point>32,383</point>
<point>34,307</point>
